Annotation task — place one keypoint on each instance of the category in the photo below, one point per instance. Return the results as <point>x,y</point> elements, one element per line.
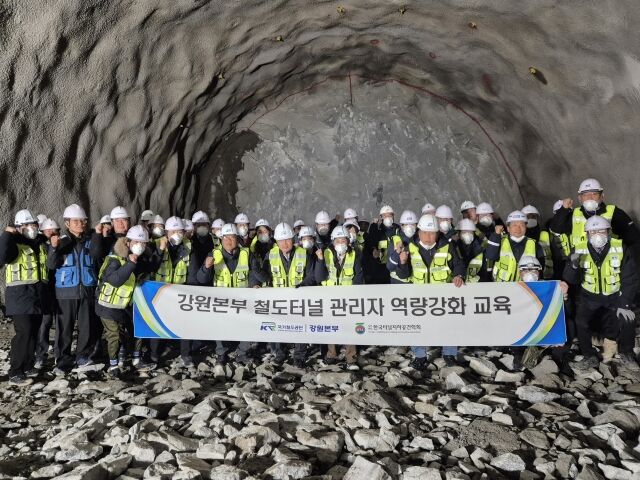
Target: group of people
<point>84,278</point>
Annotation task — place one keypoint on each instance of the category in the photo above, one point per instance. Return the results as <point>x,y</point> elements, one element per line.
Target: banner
<point>478,314</point>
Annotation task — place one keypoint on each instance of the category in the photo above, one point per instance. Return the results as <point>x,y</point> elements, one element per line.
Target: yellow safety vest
<point>116,297</point>
<point>579,220</point>
<point>605,279</point>
<point>222,277</point>
<point>437,272</point>
<point>28,267</point>
<point>563,242</point>
<point>178,275</point>
<point>506,268</point>
<point>383,247</point>
<point>279,276</point>
<point>474,267</point>
<point>545,244</point>
<point>346,274</point>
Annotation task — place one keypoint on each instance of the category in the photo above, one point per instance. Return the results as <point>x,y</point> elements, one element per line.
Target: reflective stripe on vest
<point>77,269</point>
<point>578,221</point>
<point>116,297</point>
<point>474,267</point>
<point>346,273</point>
<point>280,278</point>
<point>545,244</point>
<point>178,275</point>
<point>605,279</point>
<point>437,272</point>
<point>222,276</point>
<point>383,246</point>
<point>506,267</point>
<point>28,268</point>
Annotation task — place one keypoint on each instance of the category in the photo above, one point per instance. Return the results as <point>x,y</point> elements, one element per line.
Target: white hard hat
<point>74,212</point>
<point>557,206</point>
<point>529,262</point>
<point>119,212</point>
<point>157,219</point>
<point>282,232</point>
<point>105,219</point>
<point>386,209</point>
<point>590,185</point>
<point>350,213</point>
<point>263,223</point>
<point>351,223</point>
<point>49,224</point>
<point>241,218</point>
<point>229,229</point>
<point>428,223</point>
<point>200,217</point>
<point>217,223</point>
<point>339,232</point>
<point>466,225</point>
<point>484,208</point>
<point>307,231</point>
<point>188,225</point>
<point>516,216</point>
<point>41,218</point>
<point>466,205</point>
<point>408,217</point>
<point>146,216</point>
<point>530,209</point>
<point>443,211</point>
<point>174,223</point>
<point>25,216</point>
<point>596,223</point>
<point>428,208</point>
<point>322,217</point>
<point>138,233</point>
<point>298,223</point>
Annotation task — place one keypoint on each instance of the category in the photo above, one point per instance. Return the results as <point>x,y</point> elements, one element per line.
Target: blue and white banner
<point>480,314</point>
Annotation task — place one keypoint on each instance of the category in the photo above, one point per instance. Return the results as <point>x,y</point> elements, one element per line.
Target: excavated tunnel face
<point>284,108</point>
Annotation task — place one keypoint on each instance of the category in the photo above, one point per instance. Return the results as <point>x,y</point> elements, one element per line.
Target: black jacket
<point>456,265</point>
<point>471,251</point>
<point>315,272</point>
<point>201,247</point>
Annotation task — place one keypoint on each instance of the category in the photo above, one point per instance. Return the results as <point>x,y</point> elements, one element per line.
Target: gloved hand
<point>575,260</point>
<point>626,315</point>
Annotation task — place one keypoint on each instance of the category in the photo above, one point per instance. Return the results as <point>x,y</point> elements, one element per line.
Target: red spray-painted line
<point>415,87</point>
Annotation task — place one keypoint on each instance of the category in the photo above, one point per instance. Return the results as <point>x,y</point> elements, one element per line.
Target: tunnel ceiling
<point>132,102</point>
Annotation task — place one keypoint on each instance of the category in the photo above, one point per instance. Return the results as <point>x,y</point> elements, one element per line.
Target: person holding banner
<point>430,259</point>
<point>231,266</point>
<point>343,267</point>
<point>292,267</point>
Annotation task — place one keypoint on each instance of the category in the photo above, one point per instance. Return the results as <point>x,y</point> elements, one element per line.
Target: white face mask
<point>341,249</point>
<point>445,226</point>
<point>598,240</point>
<point>202,231</point>
<point>532,223</point>
<point>466,237</point>
<point>353,237</point>
<point>157,232</point>
<point>307,244</point>
<point>409,230</point>
<point>138,248</point>
<point>387,222</point>
<point>30,232</point>
<point>323,230</point>
<point>176,238</point>
<point>529,276</point>
<point>263,238</point>
<point>590,205</point>
<point>243,231</point>
<point>517,239</point>
<point>485,220</point>
<point>216,232</point>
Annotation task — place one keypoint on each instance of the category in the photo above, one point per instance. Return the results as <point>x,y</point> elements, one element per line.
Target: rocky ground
<point>480,419</point>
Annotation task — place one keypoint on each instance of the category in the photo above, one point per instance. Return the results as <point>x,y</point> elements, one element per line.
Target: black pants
<point>589,310</point>
<point>42,346</point>
<point>78,311</point>
<point>23,343</point>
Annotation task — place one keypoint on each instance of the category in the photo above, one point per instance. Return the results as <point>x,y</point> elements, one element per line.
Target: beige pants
<point>350,352</point>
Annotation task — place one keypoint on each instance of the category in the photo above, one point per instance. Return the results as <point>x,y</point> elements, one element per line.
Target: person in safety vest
<point>430,259</point>
<point>232,266</point>
<point>444,215</point>
<point>75,258</point>
<point>120,225</point>
<point>156,228</point>
<point>488,220</point>
<point>262,243</point>
<point>536,232</point>
<point>355,239</point>
<point>344,267</point>
<point>381,239</point>
<point>571,221</point>
<point>129,262</point>
<point>605,270</point>
<point>408,229</point>
<point>351,217</point>
<point>323,223</point>
<point>242,225</point>
<point>23,253</point>
<point>288,266</point>
<point>216,226</point>
<point>471,251</point>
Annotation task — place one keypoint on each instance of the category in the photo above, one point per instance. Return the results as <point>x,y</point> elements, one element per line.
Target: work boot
<point>628,361</point>
<point>590,361</point>
<point>419,363</point>
<point>20,381</point>
<point>609,350</point>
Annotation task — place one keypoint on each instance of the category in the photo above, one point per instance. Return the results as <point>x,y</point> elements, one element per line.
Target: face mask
<point>157,232</point>
<point>217,233</point>
<point>137,248</point>
<point>598,241</point>
<point>243,231</point>
<point>176,239</point>
<point>307,244</point>
<point>30,232</point>
<point>444,226</point>
<point>485,221</point>
<point>466,237</point>
<point>387,222</point>
<point>202,231</point>
<point>517,239</point>
<point>590,205</point>
<point>323,230</point>
<point>532,223</point>
<point>409,230</point>
<point>263,238</point>
<point>341,249</point>
<point>353,237</point>
<point>529,276</point>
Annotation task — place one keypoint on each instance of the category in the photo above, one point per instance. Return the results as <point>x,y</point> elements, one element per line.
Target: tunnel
<point>283,108</point>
